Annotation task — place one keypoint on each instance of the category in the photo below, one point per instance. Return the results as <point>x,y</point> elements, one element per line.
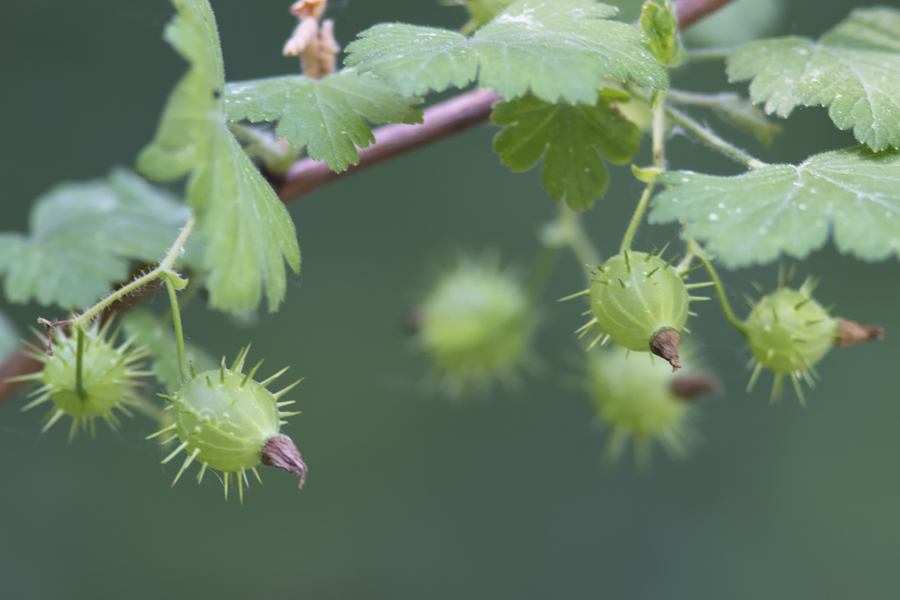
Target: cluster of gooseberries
<point>476,324</point>
<point>222,418</point>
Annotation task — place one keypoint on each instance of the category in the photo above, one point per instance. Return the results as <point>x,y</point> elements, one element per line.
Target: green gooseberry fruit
<point>644,401</point>
<point>230,422</point>
<point>476,324</point>
<point>640,302</point>
<point>789,332</point>
<point>105,384</point>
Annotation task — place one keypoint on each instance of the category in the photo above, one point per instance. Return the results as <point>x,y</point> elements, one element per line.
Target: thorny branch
<point>305,176</point>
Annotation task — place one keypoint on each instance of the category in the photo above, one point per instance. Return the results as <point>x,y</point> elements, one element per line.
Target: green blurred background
<point>411,495</point>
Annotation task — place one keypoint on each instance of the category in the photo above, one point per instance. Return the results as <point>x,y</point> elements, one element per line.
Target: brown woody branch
<point>441,121</point>
<point>306,175</point>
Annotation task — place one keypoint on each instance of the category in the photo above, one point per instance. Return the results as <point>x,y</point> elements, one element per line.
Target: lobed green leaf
<point>559,49</point>
<point>248,231</point>
<point>852,69</point>
<point>83,236</point>
<point>572,138</point>
<point>755,217</point>
<point>328,116</point>
<point>159,340</point>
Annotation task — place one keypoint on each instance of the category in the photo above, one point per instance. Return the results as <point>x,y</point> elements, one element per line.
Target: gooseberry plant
<point>566,84</point>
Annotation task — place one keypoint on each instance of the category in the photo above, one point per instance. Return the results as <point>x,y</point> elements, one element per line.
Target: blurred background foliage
<point>410,495</point>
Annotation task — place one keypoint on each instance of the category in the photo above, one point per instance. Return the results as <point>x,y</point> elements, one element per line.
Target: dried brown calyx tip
<point>850,333</point>
<point>281,452</point>
<point>665,344</point>
<point>692,385</point>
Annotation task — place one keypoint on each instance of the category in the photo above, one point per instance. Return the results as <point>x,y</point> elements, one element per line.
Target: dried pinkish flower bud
<point>328,49</point>
<point>309,8</point>
<point>314,44</point>
<point>304,34</point>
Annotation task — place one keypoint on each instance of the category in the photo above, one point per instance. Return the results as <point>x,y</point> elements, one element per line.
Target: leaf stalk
<point>710,54</point>
<point>714,141</point>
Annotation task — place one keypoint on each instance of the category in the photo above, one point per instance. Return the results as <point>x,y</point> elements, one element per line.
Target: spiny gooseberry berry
<point>476,324</point>
<point>230,422</point>
<point>106,383</point>
<point>640,302</point>
<point>642,401</point>
<point>789,333</point>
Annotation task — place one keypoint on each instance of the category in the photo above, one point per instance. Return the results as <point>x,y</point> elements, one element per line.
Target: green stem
<point>195,283</point>
<point>710,54</point>
<point>720,291</point>
<point>576,238</point>
<point>637,218</point>
<point>164,268</point>
<point>713,140</point>
<point>712,100</point>
<point>176,323</point>
<point>541,271</point>
<point>79,365</point>
<point>658,104</point>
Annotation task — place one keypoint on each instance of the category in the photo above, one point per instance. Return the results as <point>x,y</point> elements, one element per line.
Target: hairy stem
<point>713,140</point>
<point>176,324</point>
<point>658,105</point>
<point>720,291</point>
<point>712,100</point>
<point>637,217</point>
<point>164,268</point>
<point>576,238</point>
<point>541,271</point>
<point>710,54</point>
<point>659,162</point>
